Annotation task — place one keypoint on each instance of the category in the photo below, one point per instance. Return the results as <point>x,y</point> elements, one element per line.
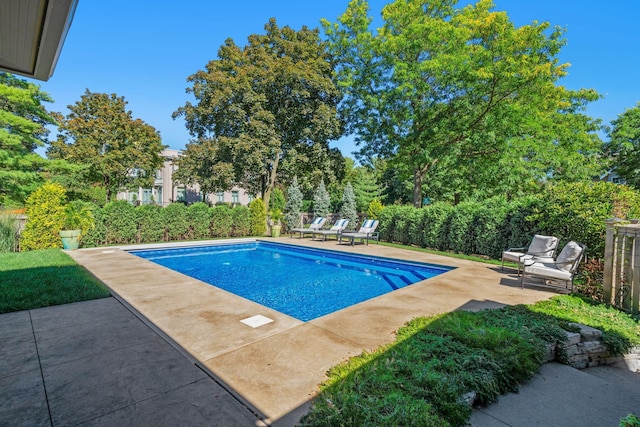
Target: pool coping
<point>276,368</point>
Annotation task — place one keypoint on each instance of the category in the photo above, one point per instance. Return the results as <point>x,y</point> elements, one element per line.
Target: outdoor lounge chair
<point>563,268</point>
<point>542,248</point>
<point>337,228</point>
<point>366,232</point>
<point>315,225</point>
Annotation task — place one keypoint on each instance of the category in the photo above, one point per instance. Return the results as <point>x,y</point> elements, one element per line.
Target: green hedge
<point>570,211</point>
<point>121,223</point>
<point>199,220</point>
<point>221,221</point>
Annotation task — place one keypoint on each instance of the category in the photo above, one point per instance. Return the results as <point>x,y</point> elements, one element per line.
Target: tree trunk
<point>417,188</point>
<point>272,180</point>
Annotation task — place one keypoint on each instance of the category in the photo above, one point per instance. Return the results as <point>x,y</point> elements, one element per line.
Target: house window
<point>147,196</point>
<point>235,198</point>
<point>220,197</point>
<point>159,195</point>
<point>250,198</point>
<point>181,195</point>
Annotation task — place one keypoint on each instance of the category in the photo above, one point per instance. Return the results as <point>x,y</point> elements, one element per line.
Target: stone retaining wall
<point>586,349</point>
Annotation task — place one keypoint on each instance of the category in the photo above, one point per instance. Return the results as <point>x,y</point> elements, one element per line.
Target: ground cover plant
<point>43,278</point>
<point>428,375</point>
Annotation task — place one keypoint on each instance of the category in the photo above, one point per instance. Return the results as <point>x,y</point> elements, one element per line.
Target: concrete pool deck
<point>276,368</point>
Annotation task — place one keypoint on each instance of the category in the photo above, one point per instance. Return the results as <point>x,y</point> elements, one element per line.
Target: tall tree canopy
<point>624,145</point>
<point>120,151</point>
<point>258,104</point>
<point>458,90</point>
<point>23,121</point>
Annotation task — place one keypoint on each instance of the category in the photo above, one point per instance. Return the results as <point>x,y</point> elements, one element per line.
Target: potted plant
<point>77,219</point>
<point>275,216</point>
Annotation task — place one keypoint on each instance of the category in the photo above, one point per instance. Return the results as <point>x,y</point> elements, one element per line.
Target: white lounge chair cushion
<point>550,271</point>
<point>340,224</point>
<point>368,226</point>
<point>317,223</point>
<point>542,246</point>
<point>569,254</point>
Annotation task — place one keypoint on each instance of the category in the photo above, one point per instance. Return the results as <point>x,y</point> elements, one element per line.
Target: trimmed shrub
<point>489,227</point>
<point>241,221</point>
<point>221,221</point>
<point>96,236</point>
<point>121,222</point>
<point>520,222</point>
<point>406,224</point>
<point>460,236</point>
<point>577,211</point>
<point>199,220</point>
<point>387,218</point>
<point>435,225</point>
<point>258,216</point>
<point>45,216</point>
<point>150,227</point>
<point>375,207</point>
<point>174,218</point>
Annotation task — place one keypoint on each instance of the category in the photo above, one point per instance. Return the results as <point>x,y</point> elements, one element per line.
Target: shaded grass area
<point>43,278</point>
<point>422,378</point>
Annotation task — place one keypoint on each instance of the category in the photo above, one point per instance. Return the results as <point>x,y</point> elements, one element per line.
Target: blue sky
<point>145,50</point>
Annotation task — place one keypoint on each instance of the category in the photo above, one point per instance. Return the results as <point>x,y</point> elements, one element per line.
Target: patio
<point>276,368</point>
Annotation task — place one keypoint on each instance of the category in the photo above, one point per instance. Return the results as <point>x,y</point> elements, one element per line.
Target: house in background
<point>611,176</point>
<point>165,191</point>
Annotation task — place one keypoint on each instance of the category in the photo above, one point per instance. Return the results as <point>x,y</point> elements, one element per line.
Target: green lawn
<point>42,278</point>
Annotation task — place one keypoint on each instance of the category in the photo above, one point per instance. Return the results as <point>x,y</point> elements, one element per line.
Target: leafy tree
<point>23,121</point>
<point>624,145</point>
<point>348,208</point>
<point>122,152</point>
<point>365,188</point>
<point>321,201</point>
<point>257,104</point>
<point>460,89</point>
<point>293,207</point>
<point>199,165</point>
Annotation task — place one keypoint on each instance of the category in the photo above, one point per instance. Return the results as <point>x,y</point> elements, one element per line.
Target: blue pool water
<point>301,282</point>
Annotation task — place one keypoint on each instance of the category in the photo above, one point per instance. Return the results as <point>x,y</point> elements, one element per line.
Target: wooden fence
<point>622,265</point>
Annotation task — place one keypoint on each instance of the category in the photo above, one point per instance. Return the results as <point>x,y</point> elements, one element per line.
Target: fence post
<point>609,255</point>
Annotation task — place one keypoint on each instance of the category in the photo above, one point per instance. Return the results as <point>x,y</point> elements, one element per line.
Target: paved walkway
<point>95,363</point>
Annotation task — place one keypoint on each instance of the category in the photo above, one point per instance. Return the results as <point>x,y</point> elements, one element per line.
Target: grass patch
<point>43,278</point>
<point>422,378</point>
<point>620,330</point>
<point>476,258</point>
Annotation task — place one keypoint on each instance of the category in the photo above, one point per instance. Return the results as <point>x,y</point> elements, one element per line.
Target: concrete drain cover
<point>256,321</point>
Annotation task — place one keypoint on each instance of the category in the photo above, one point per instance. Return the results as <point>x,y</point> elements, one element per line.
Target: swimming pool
<point>304,283</point>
